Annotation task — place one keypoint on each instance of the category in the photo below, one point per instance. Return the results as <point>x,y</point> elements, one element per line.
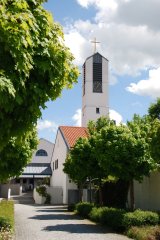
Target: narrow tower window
<point>97,110</point>
<point>97,73</point>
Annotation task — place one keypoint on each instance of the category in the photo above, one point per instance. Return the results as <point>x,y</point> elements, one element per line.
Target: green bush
<point>5,223</point>
<point>84,208</point>
<point>95,214</point>
<point>7,213</point>
<point>112,217</point>
<point>71,207</point>
<point>42,190</point>
<point>140,218</point>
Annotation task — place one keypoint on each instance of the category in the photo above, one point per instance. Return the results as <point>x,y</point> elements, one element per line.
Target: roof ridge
<point>72,126</point>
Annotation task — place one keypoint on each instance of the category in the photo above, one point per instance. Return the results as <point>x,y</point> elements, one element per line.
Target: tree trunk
<point>100,194</point>
<point>132,203</point>
<point>80,192</point>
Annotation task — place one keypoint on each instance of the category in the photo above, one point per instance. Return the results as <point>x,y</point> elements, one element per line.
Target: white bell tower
<point>94,88</point>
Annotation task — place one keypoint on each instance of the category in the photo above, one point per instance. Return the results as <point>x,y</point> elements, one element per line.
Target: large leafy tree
<point>120,151</point>
<point>35,65</point>
<point>154,114</point>
<point>16,154</point>
<point>82,163</point>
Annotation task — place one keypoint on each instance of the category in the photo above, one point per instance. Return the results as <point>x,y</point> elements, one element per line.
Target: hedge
<point>117,219</point>
<point>140,218</point>
<point>112,217</point>
<point>84,208</point>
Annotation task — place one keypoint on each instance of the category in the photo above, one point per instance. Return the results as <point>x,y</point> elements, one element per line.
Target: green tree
<point>154,114</point>
<point>35,65</point>
<point>16,154</point>
<point>154,110</point>
<point>75,165</point>
<point>82,163</point>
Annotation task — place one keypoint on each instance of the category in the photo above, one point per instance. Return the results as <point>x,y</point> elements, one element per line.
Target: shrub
<point>144,233</point>
<point>48,199</point>
<point>42,190</point>
<point>140,218</point>
<point>112,217</point>
<point>84,208</point>
<point>71,207</point>
<point>5,223</point>
<point>7,212</point>
<point>95,214</point>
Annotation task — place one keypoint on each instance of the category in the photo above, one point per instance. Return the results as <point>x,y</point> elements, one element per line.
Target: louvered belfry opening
<point>84,78</point>
<point>97,73</point>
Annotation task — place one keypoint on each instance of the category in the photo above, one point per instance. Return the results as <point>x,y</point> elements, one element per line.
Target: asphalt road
<point>34,222</point>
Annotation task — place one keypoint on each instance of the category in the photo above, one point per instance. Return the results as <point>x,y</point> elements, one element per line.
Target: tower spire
<point>95,44</point>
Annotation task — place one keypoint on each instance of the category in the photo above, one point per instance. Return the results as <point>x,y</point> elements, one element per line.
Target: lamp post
<point>89,180</point>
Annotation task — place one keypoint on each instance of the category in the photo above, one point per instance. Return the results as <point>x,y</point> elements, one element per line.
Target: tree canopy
<point>35,65</point>
<point>154,114</point>
<point>16,154</point>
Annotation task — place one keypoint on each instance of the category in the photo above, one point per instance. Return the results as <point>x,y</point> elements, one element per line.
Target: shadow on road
<point>76,228</point>
<point>54,217</point>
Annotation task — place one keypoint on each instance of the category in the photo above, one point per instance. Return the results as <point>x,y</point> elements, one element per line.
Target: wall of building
<point>147,193</point>
<point>48,147</point>
<point>59,179</point>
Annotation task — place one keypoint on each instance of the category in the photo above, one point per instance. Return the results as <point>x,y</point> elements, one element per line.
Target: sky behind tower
<point>129,36</point>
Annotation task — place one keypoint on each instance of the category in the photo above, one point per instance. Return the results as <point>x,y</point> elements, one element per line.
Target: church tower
<point>94,88</point>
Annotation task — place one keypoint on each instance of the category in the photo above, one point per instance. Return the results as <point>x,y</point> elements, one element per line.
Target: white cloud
<point>112,79</point>
<point>46,124</point>
<point>99,4</point>
<point>128,32</point>
<point>149,87</point>
<point>77,117</point>
<point>115,116</point>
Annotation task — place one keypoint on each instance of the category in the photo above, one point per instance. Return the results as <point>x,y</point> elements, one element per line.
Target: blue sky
<point>129,39</point>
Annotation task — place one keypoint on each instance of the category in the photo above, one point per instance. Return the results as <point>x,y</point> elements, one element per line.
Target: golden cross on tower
<point>95,44</point>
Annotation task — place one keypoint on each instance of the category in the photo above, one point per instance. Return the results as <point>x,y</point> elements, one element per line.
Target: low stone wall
<point>147,193</point>
<point>7,190</point>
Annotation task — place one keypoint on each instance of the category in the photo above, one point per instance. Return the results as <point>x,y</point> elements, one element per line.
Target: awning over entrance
<point>37,171</point>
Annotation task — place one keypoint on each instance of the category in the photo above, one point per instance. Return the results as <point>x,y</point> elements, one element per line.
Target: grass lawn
<point>7,211</point>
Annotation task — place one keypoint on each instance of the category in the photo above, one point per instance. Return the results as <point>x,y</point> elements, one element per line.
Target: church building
<point>94,105</point>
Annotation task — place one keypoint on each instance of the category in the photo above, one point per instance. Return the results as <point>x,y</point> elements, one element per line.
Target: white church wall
<point>48,147</point>
<point>147,193</point>
<point>59,179</point>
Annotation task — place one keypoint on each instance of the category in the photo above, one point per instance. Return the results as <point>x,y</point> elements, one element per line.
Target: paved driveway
<point>33,222</point>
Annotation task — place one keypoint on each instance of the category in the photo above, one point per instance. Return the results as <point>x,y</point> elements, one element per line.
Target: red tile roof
<point>71,134</point>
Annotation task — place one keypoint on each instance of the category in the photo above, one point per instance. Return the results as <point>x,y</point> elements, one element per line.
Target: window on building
<point>41,152</point>
<point>53,165</point>
<point>56,164</point>
<point>97,73</point>
<point>97,110</point>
